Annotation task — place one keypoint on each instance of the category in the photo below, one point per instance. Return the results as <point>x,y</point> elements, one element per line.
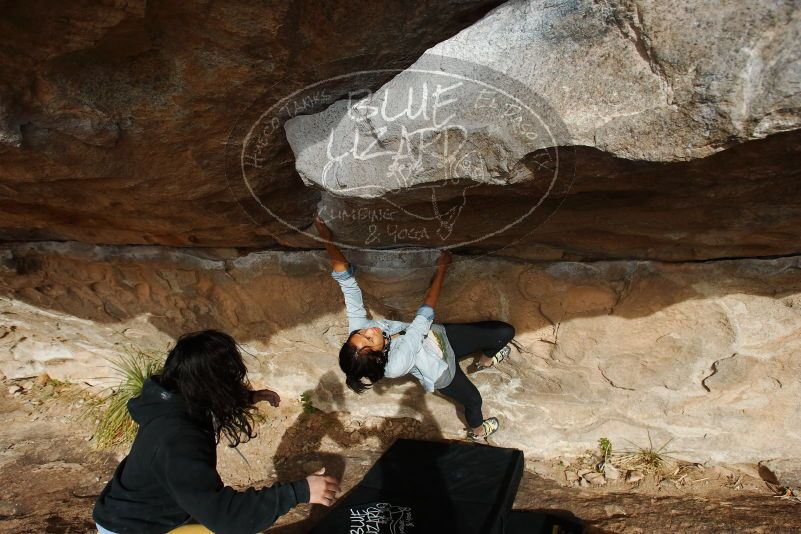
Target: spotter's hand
<point>267,395</point>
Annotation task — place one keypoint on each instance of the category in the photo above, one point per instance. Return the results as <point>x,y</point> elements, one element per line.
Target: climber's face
<point>369,339</point>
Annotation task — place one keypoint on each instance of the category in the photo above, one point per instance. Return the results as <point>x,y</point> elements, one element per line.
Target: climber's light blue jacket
<point>407,353</point>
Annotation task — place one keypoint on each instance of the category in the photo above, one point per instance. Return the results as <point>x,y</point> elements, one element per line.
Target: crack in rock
<point>714,369</point>
<point>603,374</point>
<point>631,26</point>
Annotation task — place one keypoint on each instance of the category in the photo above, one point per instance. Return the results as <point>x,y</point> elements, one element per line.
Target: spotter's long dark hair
<point>359,364</point>
<point>207,370</point>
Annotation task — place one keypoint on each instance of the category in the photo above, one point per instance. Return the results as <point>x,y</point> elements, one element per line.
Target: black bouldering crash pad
<point>430,487</point>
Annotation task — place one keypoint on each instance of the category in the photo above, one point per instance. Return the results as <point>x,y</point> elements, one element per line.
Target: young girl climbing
<point>376,349</point>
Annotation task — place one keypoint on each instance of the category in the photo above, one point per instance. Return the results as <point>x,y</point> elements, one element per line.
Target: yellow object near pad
<point>191,529</point>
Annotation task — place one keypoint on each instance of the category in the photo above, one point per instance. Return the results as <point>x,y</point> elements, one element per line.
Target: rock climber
<point>377,349</point>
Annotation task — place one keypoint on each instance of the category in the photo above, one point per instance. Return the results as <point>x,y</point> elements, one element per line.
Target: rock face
<point>681,78</point>
<point>651,81</point>
<point>114,118</point>
<point>703,354</point>
<point>134,126</point>
<point>473,144</point>
<point>632,165</point>
<point>781,472</point>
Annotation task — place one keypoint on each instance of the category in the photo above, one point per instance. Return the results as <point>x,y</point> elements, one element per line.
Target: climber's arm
<point>338,262</point>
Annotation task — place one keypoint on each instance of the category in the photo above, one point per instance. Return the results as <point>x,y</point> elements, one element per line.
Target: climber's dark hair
<point>358,364</point>
<point>207,370</point>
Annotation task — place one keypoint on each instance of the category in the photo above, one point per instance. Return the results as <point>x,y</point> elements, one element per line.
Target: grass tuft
<point>306,402</point>
<point>648,459</point>
<point>605,446</point>
<point>114,423</point>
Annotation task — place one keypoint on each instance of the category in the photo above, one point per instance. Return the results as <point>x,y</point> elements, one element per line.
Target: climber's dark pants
<point>465,339</point>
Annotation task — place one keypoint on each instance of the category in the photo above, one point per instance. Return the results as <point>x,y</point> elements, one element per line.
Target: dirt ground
<point>50,472</point>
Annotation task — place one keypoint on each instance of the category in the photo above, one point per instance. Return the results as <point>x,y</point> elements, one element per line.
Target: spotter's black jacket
<point>170,476</point>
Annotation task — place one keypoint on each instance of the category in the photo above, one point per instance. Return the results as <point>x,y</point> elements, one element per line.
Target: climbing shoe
<point>490,426</point>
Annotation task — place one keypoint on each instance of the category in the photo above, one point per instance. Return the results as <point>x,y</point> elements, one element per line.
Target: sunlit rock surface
<point>621,180</point>
<point>576,130</point>
<point>702,354</point>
